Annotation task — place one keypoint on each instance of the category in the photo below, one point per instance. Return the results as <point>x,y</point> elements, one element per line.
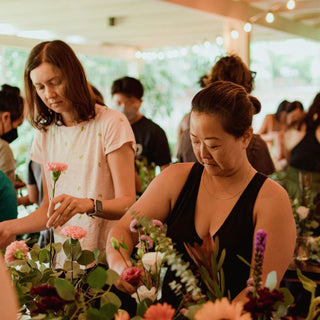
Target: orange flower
<point>159,312</point>
<point>122,315</point>
<point>221,309</point>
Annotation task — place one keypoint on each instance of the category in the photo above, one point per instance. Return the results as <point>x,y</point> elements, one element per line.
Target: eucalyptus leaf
<point>109,310</point>
<point>95,314</point>
<point>307,283</point>
<point>112,277</point>
<point>271,281</point>
<point>96,253</point>
<point>65,289</point>
<point>110,297</point>
<point>44,256</point>
<point>97,278</point>
<point>86,257</point>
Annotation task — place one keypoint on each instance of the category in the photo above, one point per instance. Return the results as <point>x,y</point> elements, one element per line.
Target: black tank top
<point>306,154</point>
<point>235,235</point>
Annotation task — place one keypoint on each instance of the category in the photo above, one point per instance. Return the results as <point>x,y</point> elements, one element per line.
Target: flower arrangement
<point>155,253</point>
<point>74,292</point>
<point>68,293</point>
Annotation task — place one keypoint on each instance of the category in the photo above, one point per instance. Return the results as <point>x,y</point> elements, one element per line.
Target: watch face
<point>98,206</point>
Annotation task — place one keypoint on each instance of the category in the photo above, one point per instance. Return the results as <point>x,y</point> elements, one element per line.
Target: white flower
<point>302,212</point>
<point>144,293</point>
<point>152,261</point>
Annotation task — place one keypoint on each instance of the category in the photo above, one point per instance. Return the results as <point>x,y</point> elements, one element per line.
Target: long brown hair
<point>77,90</point>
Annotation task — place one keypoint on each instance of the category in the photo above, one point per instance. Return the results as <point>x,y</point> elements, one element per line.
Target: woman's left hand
<point>63,207</point>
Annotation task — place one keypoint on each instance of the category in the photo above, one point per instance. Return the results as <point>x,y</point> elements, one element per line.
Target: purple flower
<point>147,242</point>
<point>260,246</point>
<point>260,242</point>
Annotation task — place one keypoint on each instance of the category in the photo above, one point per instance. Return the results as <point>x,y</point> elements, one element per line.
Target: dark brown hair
<point>230,102</point>
<point>232,68</point>
<point>128,86</point>
<point>77,90</point>
<point>11,101</point>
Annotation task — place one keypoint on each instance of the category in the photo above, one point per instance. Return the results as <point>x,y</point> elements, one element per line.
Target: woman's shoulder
<point>175,174</point>
<point>273,193</point>
<point>107,115</point>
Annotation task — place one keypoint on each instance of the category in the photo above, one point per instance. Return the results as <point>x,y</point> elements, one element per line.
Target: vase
<point>302,250</point>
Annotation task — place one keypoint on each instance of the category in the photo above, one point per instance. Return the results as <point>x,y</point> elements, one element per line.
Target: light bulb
<point>247,27</point>
<point>291,4</point>
<point>219,41</point>
<point>269,17</point>
<point>234,34</point>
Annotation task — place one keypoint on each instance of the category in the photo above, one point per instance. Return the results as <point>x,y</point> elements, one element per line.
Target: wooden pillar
<point>239,45</point>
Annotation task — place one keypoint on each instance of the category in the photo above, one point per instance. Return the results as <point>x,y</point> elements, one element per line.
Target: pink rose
<point>56,166</point>
<point>132,275</point>
<point>17,250</point>
<point>74,232</point>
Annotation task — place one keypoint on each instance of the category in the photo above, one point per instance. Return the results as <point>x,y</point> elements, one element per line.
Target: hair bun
<point>10,90</point>
<point>256,104</point>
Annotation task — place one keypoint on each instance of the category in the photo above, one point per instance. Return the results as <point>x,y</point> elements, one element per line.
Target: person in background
<point>151,141</point>
<point>8,198</point>
<point>293,132</point>
<point>11,115</point>
<point>8,297</point>
<point>97,144</point>
<point>221,195</point>
<point>305,155</point>
<point>272,131</point>
<point>232,68</point>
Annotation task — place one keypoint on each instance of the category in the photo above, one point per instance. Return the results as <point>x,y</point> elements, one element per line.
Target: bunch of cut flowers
<point>72,292</point>
<point>153,255</point>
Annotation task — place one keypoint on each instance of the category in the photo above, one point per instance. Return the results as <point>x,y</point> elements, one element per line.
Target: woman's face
<point>218,151</point>
<point>50,87</point>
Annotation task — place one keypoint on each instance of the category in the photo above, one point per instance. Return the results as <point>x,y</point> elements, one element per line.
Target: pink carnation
<point>56,166</point>
<point>157,223</point>
<point>74,232</point>
<point>147,242</point>
<point>17,250</point>
<point>133,225</point>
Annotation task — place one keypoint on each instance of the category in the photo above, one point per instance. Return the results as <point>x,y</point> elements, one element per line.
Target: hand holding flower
<point>63,207</point>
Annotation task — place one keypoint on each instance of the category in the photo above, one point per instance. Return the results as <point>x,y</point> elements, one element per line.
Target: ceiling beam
<point>242,11</point>
<point>112,51</point>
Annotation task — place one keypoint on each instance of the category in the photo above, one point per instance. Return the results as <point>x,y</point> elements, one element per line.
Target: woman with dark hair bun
<point>221,195</point>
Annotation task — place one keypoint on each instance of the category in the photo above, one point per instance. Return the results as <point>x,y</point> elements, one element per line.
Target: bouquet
<point>72,292</point>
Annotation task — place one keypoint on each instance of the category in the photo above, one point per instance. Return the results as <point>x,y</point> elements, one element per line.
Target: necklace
<point>231,196</point>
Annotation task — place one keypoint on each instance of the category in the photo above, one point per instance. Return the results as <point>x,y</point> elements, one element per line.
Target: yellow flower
<point>221,310</point>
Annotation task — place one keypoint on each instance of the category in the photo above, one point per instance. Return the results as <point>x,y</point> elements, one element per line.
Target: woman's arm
<point>155,203</point>
<point>273,214</point>
<point>34,222</point>
<point>8,298</point>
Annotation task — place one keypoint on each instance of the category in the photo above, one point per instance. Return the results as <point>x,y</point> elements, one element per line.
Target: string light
<point>247,27</point>
<point>269,17</point>
<point>291,4</point>
<point>219,41</point>
<point>234,34</point>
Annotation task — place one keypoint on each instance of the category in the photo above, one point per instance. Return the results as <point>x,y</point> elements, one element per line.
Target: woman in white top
<point>97,144</point>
